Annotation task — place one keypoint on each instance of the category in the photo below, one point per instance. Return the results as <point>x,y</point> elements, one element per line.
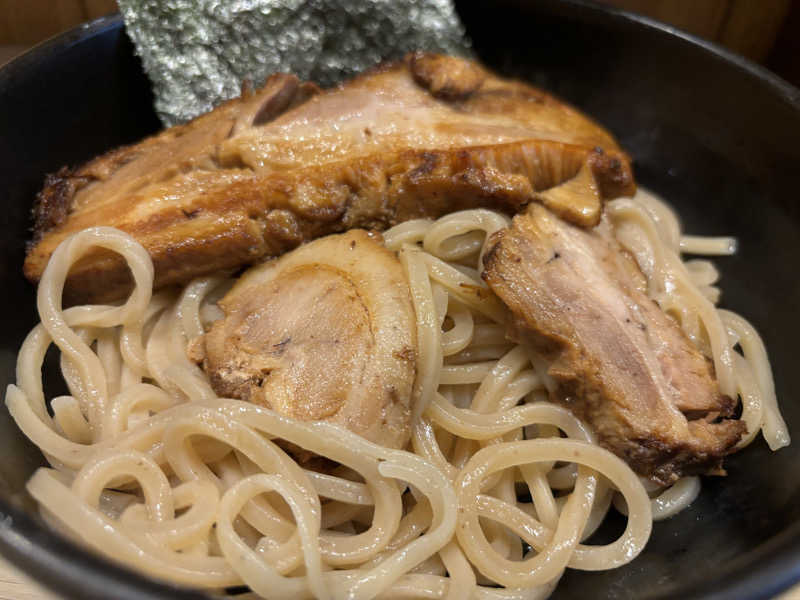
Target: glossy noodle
<point>494,498</point>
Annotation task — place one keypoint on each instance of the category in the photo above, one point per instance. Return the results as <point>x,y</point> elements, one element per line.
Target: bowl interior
<point>715,139</point>
<point>714,135</point>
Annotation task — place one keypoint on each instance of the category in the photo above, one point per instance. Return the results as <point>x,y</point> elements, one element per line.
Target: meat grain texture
<point>615,358</point>
<point>327,332</point>
<point>288,163</point>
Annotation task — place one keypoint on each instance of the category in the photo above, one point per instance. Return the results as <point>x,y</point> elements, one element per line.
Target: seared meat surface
<point>286,164</point>
<point>326,332</point>
<point>615,359</point>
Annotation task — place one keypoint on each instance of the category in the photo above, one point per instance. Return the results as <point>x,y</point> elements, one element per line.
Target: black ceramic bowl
<point>716,135</point>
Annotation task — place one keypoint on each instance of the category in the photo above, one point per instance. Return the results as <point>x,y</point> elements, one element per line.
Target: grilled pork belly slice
<point>616,359</point>
<point>326,332</point>
<point>266,172</point>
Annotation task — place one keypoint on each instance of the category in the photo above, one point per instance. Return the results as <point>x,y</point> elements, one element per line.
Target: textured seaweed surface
<point>197,53</point>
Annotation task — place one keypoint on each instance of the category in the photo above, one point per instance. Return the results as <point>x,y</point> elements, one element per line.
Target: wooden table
<point>17,586</point>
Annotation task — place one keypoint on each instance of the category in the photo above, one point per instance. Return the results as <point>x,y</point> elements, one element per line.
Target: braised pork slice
<point>263,173</point>
<point>326,332</point>
<point>616,359</point>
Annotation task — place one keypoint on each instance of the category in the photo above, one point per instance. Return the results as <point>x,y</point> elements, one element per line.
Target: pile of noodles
<point>493,498</point>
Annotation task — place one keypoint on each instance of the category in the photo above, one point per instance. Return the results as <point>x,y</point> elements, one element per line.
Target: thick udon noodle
<point>493,499</point>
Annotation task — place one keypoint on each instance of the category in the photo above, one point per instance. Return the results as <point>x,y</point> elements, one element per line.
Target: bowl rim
<point>56,43</point>
<point>66,568</point>
<point>784,89</point>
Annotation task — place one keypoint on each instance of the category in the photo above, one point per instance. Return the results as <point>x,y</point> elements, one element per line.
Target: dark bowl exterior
<point>716,135</point>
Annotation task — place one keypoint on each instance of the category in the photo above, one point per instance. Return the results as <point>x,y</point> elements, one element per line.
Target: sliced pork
<point>286,164</point>
<point>615,359</point>
<point>326,332</point>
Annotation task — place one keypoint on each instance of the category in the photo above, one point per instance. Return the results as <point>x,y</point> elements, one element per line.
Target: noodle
<point>499,487</point>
